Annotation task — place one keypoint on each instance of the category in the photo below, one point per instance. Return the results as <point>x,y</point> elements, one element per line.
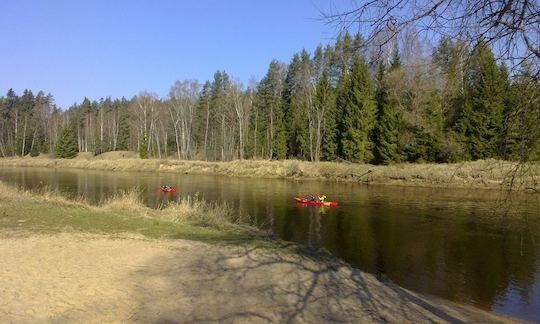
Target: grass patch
<point>193,219</point>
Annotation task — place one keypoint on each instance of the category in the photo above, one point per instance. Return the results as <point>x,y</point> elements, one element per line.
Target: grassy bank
<point>481,174</point>
<point>191,218</point>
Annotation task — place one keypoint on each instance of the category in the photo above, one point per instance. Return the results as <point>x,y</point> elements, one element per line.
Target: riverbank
<point>67,261</point>
<point>489,174</point>
<point>190,218</point>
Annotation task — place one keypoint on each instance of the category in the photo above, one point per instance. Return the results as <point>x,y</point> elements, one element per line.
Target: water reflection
<point>472,246</point>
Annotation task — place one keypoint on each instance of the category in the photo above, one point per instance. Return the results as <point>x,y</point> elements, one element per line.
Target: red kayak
<point>318,203</point>
<point>172,189</point>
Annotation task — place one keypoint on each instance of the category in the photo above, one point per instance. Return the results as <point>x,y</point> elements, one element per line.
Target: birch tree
<point>183,99</point>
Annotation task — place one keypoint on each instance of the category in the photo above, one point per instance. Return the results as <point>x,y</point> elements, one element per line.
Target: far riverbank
<point>488,174</point>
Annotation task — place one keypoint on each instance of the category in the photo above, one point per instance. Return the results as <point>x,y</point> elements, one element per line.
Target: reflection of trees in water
<point>464,252</point>
<point>314,233</point>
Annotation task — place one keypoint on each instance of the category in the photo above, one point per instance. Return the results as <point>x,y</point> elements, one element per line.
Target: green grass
<point>43,217</point>
<point>24,212</point>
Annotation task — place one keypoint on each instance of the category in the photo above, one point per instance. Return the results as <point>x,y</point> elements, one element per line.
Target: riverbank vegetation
<point>190,218</point>
<point>403,102</point>
<point>481,174</point>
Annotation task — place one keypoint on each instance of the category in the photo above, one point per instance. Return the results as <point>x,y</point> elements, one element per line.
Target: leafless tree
<point>142,110</point>
<point>242,103</point>
<point>512,27</point>
<point>183,97</point>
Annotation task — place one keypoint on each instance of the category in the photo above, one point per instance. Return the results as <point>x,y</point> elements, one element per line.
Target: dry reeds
<point>43,194</point>
<point>126,201</point>
<point>194,210</point>
<point>485,173</point>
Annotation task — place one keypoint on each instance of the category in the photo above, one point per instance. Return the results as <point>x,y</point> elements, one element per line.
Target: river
<point>477,247</point>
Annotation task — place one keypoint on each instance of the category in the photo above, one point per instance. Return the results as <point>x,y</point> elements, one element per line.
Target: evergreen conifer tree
<point>143,148</point>
<point>386,128</point>
<point>123,127</point>
<point>325,97</point>
<point>359,114</point>
<point>280,137</point>
<point>66,146</point>
<point>481,120</point>
<point>271,128</point>
<point>287,104</point>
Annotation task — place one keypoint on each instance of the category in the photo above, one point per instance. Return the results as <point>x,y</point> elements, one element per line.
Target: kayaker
<point>310,198</point>
<point>321,197</point>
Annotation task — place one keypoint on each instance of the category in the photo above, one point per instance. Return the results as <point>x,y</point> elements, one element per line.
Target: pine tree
<point>301,103</point>
<point>521,132</point>
<point>481,121</point>
<point>26,123</point>
<point>386,128</point>
<point>218,104</point>
<point>279,147</point>
<point>280,137</point>
<point>143,148</point>
<point>202,121</point>
<point>66,146</point>
<point>325,97</point>
<point>396,59</point>
<point>271,131</point>
<point>318,62</point>
<point>359,113</point>
<point>123,128</point>
<point>344,53</point>
<point>287,105</point>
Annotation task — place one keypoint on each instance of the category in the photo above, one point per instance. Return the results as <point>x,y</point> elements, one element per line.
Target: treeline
<point>344,101</point>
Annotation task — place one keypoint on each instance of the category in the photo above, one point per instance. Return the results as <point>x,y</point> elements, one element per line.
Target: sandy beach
<point>72,277</point>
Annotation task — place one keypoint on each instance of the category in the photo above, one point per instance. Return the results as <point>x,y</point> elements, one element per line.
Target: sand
<point>68,278</point>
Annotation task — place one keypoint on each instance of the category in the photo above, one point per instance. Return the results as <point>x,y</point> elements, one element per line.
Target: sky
<point>76,49</point>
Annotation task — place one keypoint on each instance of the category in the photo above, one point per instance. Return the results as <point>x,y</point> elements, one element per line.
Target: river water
<point>477,247</point>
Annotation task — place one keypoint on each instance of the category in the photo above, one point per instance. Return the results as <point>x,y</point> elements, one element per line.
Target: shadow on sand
<point>257,285</point>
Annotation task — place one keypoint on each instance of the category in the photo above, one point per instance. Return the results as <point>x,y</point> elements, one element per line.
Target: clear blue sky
<point>74,49</point>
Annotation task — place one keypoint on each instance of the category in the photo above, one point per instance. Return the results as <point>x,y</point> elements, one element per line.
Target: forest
<point>404,102</point>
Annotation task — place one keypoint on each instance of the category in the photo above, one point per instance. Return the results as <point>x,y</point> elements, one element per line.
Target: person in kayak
<point>317,198</point>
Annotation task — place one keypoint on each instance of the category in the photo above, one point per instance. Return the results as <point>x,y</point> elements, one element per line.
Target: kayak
<point>172,189</point>
<point>318,203</point>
